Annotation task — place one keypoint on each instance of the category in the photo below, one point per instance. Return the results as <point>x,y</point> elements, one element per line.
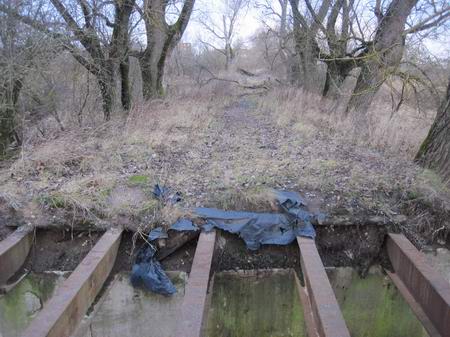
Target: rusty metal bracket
<point>319,301</point>
<point>426,291</point>
<point>194,306</point>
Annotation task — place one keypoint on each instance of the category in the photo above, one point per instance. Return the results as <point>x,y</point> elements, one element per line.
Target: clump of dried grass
<point>398,133</point>
<point>245,199</point>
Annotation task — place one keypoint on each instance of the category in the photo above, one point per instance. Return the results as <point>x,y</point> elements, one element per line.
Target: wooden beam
<point>63,312</point>
<point>428,287</point>
<point>194,304</point>
<point>326,313</point>
<point>13,252</point>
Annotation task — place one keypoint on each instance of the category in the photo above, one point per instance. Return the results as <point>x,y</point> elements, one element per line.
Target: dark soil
<point>7,215</point>
<point>59,250</point>
<point>232,254</point>
<point>350,246</point>
<point>355,246</point>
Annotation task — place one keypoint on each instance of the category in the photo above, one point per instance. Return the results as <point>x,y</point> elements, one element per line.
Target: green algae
<point>255,305</point>
<point>15,314</point>
<point>372,306</point>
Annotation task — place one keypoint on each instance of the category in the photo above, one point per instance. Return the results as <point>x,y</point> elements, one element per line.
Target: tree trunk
<point>371,77</point>
<point>152,80</point>
<point>336,74</point>
<point>106,82</point>
<point>8,110</point>
<point>161,39</point>
<point>120,48</point>
<point>382,56</point>
<point>434,152</point>
<point>125,85</point>
<point>227,56</point>
<point>306,47</point>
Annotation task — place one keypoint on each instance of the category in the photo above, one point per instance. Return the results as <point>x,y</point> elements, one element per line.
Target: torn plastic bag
<point>184,225</point>
<point>157,233</point>
<point>164,194</point>
<point>181,225</point>
<point>148,273</point>
<point>257,229</point>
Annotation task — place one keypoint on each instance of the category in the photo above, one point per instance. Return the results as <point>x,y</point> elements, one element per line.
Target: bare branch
<point>432,21</point>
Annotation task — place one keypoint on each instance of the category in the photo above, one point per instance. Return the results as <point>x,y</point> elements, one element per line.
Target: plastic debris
<point>148,273</point>
<point>254,228</point>
<point>165,194</point>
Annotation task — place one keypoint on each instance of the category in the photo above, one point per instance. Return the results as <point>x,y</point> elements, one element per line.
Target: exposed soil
<point>351,246</point>
<point>59,250</point>
<point>232,254</point>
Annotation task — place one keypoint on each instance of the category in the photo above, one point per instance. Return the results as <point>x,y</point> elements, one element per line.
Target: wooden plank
<point>327,314</point>
<point>63,312</point>
<point>308,315</point>
<point>13,252</point>
<point>415,307</point>
<point>427,286</point>
<point>194,307</point>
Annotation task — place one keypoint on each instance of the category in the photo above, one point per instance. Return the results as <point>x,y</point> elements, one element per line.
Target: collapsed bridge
<point>424,289</point>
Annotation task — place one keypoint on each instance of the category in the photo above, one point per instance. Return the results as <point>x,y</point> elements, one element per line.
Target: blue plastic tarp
<point>254,228</point>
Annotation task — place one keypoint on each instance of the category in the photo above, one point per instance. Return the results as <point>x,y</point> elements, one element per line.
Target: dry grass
<point>397,133</point>
<point>222,149</point>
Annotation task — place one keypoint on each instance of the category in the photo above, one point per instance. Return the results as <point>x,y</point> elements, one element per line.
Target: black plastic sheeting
<point>148,273</point>
<point>254,228</point>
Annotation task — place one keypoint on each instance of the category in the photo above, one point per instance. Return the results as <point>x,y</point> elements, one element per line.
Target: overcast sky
<point>251,20</point>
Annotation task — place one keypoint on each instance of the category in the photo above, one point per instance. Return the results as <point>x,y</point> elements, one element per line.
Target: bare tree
<point>89,24</point>
<point>21,50</point>
<point>382,55</point>
<point>306,44</point>
<point>278,12</point>
<point>162,37</point>
<point>222,30</point>
<point>340,33</point>
<point>435,149</point>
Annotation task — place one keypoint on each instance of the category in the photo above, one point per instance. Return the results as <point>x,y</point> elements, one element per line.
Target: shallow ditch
<point>251,293</point>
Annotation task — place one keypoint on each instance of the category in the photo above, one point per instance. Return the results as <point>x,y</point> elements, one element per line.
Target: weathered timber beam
<point>427,287</point>
<point>194,306</point>
<point>64,311</point>
<point>13,252</point>
<point>320,298</point>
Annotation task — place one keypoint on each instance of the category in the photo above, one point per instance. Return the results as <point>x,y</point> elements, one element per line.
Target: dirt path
<point>241,149</point>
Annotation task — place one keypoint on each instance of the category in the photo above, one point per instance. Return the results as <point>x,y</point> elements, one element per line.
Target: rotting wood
<point>193,309</point>
<point>13,252</point>
<point>175,242</point>
<point>63,312</point>
<point>428,287</point>
<point>328,318</point>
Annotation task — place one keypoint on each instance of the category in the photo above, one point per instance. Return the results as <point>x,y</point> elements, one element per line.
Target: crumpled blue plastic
<point>148,273</point>
<point>254,228</point>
